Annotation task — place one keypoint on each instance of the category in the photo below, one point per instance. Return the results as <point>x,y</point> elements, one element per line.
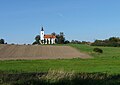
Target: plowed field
<point>9,52</point>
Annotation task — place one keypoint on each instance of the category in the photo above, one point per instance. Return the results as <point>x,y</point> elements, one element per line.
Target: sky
<point>84,20</point>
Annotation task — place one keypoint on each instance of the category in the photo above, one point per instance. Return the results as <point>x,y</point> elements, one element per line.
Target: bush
<point>66,42</point>
<point>98,50</point>
<point>58,78</point>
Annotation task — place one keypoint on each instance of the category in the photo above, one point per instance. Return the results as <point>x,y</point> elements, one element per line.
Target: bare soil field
<point>13,52</point>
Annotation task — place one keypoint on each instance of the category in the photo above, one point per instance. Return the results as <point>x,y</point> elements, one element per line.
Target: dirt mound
<point>8,52</point>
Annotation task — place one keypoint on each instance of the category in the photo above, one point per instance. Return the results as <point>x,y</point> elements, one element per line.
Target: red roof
<point>49,36</point>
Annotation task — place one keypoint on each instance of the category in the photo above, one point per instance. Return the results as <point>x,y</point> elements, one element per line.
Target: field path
<point>13,52</point>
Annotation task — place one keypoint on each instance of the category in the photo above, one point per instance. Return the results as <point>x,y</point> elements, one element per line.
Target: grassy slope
<point>108,52</point>
<point>108,62</point>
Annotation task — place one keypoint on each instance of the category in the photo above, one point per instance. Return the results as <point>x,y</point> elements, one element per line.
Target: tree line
<point>112,42</point>
<point>80,42</point>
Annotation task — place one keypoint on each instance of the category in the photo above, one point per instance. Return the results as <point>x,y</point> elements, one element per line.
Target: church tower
<point>42,35</point>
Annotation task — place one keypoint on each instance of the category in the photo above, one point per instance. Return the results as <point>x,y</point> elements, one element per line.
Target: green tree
<point>60,38</point>
<point>2,41</point>
<point>37,39</point>
<point>114,39</point>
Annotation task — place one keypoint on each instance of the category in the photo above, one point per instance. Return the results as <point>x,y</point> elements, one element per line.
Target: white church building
<point>46,38</point>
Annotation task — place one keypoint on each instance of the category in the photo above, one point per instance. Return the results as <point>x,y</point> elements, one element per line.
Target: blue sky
<point>21,20</point>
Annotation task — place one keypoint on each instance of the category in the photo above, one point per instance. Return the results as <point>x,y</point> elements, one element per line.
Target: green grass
<point>108,62</point>
<point>77,65</point>
<point>108,52</point>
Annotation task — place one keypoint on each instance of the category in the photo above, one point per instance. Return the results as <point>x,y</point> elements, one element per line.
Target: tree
<point>2,41</point>
<point>37,39</point>
<point>114,39</point>
<point>60,38</point>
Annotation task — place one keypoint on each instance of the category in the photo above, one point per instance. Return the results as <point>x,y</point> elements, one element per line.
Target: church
<point>46,38</point>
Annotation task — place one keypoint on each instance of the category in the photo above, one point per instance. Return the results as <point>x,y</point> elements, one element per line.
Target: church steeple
<point>42,35</point>
<point>42,29</point>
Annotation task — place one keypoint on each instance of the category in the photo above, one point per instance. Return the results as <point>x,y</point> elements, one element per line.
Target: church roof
<point>49,36</point>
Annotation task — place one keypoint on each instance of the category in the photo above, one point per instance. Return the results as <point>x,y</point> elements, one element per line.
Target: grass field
<point>108,62</point>
<point>101,69</point>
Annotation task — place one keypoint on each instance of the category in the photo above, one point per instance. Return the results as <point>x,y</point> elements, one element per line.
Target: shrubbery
<point>98,50</point>
<point>58,78</point>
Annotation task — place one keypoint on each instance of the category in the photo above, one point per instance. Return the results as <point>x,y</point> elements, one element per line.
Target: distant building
<point>46,38</point>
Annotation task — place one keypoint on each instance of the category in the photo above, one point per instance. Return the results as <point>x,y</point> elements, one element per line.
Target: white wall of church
<point>45,41</point>
<point>50,41</point>
<point>42,35</point>
<point>53,41</point>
